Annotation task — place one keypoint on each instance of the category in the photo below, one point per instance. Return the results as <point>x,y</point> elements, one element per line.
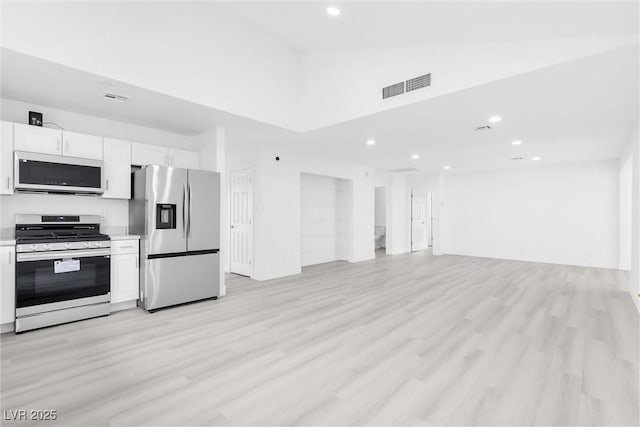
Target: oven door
<point>53,277</point>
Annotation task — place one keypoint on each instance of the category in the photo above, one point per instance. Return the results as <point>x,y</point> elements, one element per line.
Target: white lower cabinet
<point>124,271</point>
<point>7,284</point>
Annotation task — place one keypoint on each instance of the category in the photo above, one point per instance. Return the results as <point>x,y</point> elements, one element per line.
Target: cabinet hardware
<point>126,247</point>
<point>8,183</point>
<point>107,184</point>
<point>10,257</point>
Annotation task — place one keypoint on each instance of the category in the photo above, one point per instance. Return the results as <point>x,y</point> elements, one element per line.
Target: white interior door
<point>419,219</point>
<point>241,222</point>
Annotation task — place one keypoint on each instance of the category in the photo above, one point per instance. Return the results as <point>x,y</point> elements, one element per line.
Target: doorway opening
<point>380,222</point>
<point>421,219</point>
<point>325,224</point>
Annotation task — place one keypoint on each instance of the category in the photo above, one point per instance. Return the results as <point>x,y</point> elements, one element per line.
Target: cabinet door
<point>124,278</point>
<point>82,145</point>
<point>147,154</point>
<point>184,159</point>
<point>7,284</point>
<point>37,139</point>
<point>117,169</point>
<point>6,158</point>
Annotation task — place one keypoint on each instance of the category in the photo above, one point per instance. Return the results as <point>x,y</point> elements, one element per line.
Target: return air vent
<point>418,82</point>
<point>115,97</point>
<point>406,86</point>
<point>393,90</point>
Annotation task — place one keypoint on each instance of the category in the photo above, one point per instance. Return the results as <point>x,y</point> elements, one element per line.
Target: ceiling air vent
<point>116,97</point>
<point>393,90</point>
<point>418,82</point>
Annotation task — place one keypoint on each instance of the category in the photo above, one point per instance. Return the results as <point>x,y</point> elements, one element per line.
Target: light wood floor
<point>401,340</point>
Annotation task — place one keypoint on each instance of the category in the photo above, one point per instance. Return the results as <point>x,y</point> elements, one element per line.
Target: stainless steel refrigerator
<point>176,212</point>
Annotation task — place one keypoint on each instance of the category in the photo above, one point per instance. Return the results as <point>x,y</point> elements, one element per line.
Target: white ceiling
<point>306,26</point>
<point>34,80</point>
<point>578,111</point>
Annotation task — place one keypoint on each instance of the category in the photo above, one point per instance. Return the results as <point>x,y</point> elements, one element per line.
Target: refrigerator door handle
<point>189,223</point>
<point>184,213</point>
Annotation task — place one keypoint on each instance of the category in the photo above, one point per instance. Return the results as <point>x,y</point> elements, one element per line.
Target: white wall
<point>626,200</point>
<point>556,214</point>
<point>212,144</point>
<point>196,51</point>
<point>381,207</point>
<point>277,205</point>
<point>324,219</point>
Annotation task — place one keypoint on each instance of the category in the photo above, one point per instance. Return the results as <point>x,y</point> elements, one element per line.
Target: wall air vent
<point>393,90</point>
<point>418,82</point>
<point>482,128</point>
<point>115,97</point>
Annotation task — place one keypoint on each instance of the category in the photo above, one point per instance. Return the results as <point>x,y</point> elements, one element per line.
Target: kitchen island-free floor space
<point>400,340</point>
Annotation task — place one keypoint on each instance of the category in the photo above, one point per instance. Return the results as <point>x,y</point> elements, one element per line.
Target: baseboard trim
<point>124,305</point>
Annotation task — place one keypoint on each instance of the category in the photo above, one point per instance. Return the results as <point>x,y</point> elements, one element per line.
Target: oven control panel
<point>62,246</point>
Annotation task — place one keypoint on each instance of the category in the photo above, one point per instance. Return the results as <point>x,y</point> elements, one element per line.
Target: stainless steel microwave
<point>57,174</point>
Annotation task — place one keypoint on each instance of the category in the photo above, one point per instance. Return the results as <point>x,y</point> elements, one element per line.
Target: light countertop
<point>7,237</point>
<point>124,237</point>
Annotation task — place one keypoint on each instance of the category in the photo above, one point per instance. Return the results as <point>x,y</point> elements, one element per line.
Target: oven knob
<point>33,247</point>
<point>67,245</point>
<point>98,244</point>
<point>86,244</point>
<point>46,247</point>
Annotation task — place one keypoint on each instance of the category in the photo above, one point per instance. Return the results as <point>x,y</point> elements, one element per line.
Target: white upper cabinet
<point>147,154</point>
<point>37,139</point>
<point>6,158</point>
<point>117,169</point>
<point>184,159</point>
<point>81,145</point>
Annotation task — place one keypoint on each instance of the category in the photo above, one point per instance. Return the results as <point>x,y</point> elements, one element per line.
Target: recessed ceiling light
<point>494,119</point>
<point>371,142</point>
<point>516,142</point>
<point>536,158</point>
<point>415,156</point>
<point>333,11</point>
<point>446,167</point>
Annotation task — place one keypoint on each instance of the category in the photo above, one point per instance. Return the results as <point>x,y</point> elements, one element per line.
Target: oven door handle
<point>39,256</point>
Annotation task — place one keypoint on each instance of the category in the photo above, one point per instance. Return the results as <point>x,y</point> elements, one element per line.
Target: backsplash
<point>115,213</point>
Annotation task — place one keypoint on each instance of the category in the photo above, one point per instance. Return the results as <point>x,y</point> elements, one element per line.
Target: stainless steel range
<point>62,270</point>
